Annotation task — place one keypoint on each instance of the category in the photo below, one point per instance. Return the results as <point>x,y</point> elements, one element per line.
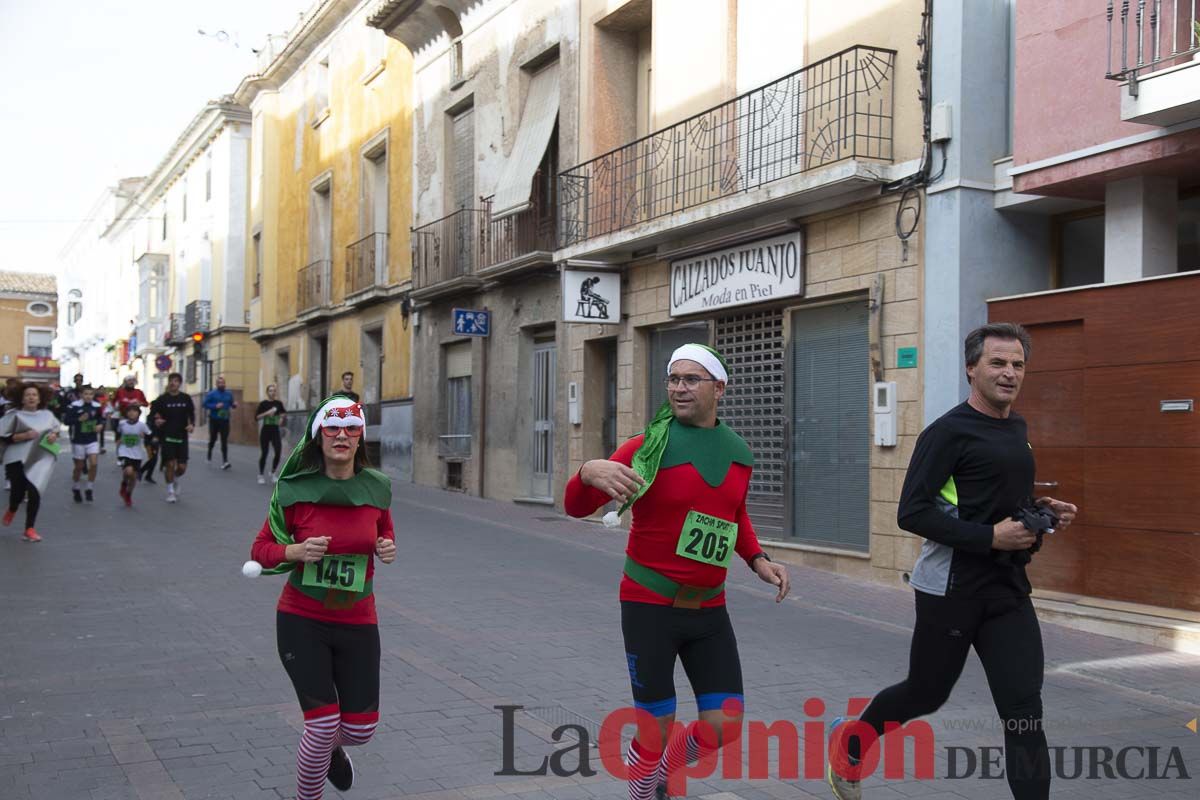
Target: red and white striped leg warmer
<point>316,746</point>
<point>686,747</point>
<point>643,771</point>
<point>357,728</point>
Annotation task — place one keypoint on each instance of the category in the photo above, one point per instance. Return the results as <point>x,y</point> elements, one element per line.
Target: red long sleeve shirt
<point>353,529</point>
<point>658,518</point>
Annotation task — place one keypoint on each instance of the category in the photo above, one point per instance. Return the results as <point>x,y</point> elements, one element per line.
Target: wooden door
<point>1104,359</point>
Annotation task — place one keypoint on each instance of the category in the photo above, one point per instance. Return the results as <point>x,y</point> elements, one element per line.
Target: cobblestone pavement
<point>138,663</point>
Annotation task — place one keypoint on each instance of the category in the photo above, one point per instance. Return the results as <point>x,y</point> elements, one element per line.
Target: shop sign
<point>751,272</point>
<point>591,296</point>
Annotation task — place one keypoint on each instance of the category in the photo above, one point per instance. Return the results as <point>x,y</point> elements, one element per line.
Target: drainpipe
<point>483,382</point>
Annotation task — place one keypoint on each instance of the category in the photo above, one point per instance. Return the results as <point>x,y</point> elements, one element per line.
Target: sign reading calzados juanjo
<point>753,272</point>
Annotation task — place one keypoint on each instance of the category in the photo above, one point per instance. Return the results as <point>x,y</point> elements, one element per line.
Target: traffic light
<point>198,337</point>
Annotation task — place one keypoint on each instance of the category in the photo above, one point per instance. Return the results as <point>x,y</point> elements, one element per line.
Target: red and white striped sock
<point>643,771</point>
<point>685,748</point>
<point>356,728</point>
<point>316,746</point>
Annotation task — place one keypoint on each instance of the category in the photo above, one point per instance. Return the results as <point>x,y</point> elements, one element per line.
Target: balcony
<point>366,268</point>
<point>197,316</point>
<point>313,291</point>
<point>836,111</point>
<point>448,252</point>
<point>519,241</point>
<point>176,332</point>
<point>150,336</point>
<point>1155,52</point>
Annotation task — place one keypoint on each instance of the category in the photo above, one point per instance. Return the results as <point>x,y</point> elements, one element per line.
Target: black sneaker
<point>226,465</point>
<point>88,494</point>
<point>149,479</point>
<point>341,770</point>
<point>78,497</point>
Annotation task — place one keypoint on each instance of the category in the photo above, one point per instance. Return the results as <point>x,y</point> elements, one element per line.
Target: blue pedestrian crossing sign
<point>470,322</point>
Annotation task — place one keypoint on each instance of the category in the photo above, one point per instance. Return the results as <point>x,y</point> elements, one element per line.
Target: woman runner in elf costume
<point>329,516</point>
<point>686,478</point>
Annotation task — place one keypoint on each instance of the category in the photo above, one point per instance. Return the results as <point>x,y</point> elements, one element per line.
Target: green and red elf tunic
<point>353,513</point>
<point>702,470</point>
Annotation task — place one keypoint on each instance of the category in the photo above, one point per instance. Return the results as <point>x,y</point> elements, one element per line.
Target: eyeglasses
<point>687,381</point>
<point>353,431</point>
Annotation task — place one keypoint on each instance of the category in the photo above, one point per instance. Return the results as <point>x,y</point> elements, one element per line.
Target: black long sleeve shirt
<point>968,472</point>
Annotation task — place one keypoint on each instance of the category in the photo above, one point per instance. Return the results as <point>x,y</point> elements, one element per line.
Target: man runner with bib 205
<point>686,478</point>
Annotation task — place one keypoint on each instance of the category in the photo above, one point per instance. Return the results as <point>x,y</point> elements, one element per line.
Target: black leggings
<point>701,638</point>
<point>268,437</point>
<point>1006,635</point>
<point>219,427</point>
<point>21,488</point>
<point>330,662</point>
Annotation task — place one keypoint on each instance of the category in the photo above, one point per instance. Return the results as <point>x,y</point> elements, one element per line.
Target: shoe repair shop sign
<point>591,296</point>
<point>752,272</point>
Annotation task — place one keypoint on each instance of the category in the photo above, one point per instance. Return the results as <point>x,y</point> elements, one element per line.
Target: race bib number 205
<point>707,539</point>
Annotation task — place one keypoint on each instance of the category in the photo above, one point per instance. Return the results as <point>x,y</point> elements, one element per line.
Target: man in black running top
<point>173,415</point>
<point>971,471</point>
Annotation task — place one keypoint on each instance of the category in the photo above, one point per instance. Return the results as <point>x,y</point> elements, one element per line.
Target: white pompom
<point>612,520</point>
<point>252,569</point>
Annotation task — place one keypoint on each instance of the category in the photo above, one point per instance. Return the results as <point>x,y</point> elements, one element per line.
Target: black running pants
<point>1006,635</point>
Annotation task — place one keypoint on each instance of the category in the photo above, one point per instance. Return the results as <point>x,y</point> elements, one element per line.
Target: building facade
<point>494,117</point>
<point>29,314</point>
<point>327,229</point>
<point>180,237</point>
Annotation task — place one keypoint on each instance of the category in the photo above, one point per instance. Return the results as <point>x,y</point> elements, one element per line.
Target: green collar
<point>710,450</point>
<point>368,488</point>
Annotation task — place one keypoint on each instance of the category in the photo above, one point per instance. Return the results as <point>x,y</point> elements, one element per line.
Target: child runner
<point>131,431</point>
<point>84,417</point>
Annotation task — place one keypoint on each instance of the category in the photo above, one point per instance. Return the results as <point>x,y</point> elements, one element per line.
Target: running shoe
<point>31,535</point>
<point>226,465</point>
<point>171,498</point>
<point>274,477</point>
<point>261,479</point>
<point>78,497</point>
<point>149,478</point>
<point>341,770</point>
<point>87,494</point>
<point>843,789</point>
<point>8,517</point>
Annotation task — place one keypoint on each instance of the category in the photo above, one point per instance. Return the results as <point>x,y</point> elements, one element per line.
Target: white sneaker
<point>172,498</point>
<point>261,479</point>
<point>274,477</point>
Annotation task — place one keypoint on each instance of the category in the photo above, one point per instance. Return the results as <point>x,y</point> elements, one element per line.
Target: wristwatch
<point>756,556</point>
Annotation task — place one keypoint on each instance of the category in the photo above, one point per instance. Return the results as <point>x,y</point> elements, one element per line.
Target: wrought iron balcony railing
<point>520,234</point>
<point>1149,34</point>
<point>177,331</point>
<point>312,286</point>
<point>452,247</point>
<point>366,263</point>
<point>834,109</point>
<point>197,316</point>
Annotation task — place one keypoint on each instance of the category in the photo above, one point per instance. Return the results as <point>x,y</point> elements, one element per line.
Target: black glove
<point>1035,518</point>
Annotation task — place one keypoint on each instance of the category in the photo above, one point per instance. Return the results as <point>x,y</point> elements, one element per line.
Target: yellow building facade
<point>329,212</point>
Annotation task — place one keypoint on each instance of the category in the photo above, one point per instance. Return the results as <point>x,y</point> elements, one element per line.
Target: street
<point>139,663</point>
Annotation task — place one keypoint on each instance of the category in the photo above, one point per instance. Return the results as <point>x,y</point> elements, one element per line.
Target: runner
<point>271,413</point>
<point>128,395</point>
<point>971,471</point>
<point>31,436</point>
<point>174,417</point>
<point>104,398</point>
<point>326,626</point>
<point>151,444</point>
<point>686,478</point>
<point>131,432</point>
<point>219,403</point>
<point>348,386</point>
<point>84,419</point>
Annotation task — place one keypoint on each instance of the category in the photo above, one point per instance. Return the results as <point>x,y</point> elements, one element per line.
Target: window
<point>453,28</point>
<point>320,220</point>
<point>456,437</point>
<point>39,309</point>
<point>164,220</point>
<point>39,342</point>
<point>256,252</point>
<point>183,213</point>
<point>321,90</point>
<point>373,205</point>
<point>208,176</point>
